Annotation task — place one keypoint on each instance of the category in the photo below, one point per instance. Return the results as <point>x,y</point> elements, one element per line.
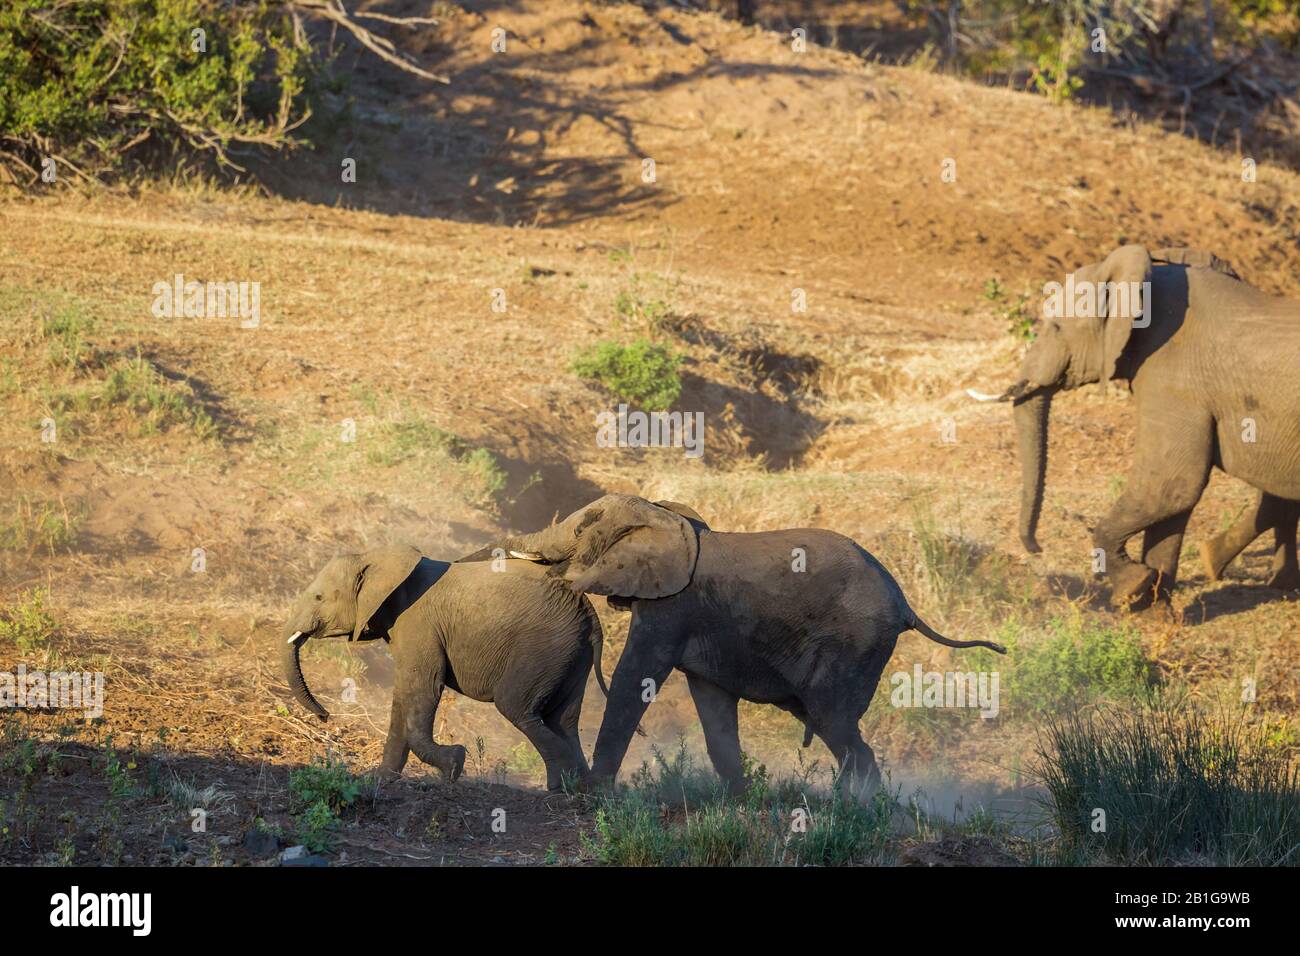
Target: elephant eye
<point>318,597</point>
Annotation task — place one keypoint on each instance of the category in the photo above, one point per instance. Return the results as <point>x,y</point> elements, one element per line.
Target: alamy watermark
<point>1083,299</point>
<point>208,300</point>
<point>62,690</point>
<point>636,429</point>
<point>922,688</point>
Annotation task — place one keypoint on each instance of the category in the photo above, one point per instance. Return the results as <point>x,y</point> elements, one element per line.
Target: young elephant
<point>1269,511</point>
<point>803,619</point>
<point>500,631</point>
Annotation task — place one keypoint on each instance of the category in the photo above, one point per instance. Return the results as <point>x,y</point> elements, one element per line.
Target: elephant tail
<point>916,624</point>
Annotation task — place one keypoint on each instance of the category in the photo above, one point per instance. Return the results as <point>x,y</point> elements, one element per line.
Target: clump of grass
<point>675,815</point>
<point>158,403</point>
<point>1174,786</point>
<point>644,303</point>
<point>640,373</point>
<point>26,624</point>
<point>411,439</point>
<point>67,337</point>
<point>134,386</point>
<point>40,525</point>
<point>956,570</point>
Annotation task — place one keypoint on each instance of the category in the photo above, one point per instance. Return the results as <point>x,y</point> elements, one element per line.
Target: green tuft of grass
<point>26,624</point>
<point>674,814</point>
<point>40,525</point>
<point>640,373</point>
<point>325,781</point>
<point>156,402</point>
<point>1166,785</point>
<point>415,439</point>
<point>67,336</point>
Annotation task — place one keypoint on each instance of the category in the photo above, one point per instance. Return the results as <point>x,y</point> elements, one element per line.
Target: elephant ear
<point>686,511</point>
<point>381,572</point>
<point>1122,300</point>
<point>639,550</point>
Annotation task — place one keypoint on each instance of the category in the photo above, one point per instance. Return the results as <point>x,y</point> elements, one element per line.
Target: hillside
<point>774,172</point>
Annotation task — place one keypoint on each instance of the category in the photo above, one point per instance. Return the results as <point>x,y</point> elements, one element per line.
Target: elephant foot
<point>1285,578</point>
<point>388,775</point>
<point>1133,586</point>
<point>1213,559</point>
<point>454,765</point>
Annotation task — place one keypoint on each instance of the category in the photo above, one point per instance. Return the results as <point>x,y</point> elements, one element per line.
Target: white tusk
<point>296,635</point>
<point>526,555</point>
<point>982,397</point>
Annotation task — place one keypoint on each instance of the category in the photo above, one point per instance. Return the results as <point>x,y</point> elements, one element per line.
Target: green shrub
<point>324,781</point>
<point>1075,660</point>
<point>641,373</point>
<point>89,80</point>
<point>26,623</point>
<point>316,827</point>
<point>1175,786</point>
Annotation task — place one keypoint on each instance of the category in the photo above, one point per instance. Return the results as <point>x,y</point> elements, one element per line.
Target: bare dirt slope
<point>773,172</point>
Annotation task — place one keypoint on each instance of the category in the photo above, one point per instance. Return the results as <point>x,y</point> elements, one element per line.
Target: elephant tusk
<point>294,639</point>
<point>982,397</point>
<point>526,555</point>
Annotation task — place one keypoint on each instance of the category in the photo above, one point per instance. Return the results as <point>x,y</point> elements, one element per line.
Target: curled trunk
<point>292,667</point>
<point>1031,437</point>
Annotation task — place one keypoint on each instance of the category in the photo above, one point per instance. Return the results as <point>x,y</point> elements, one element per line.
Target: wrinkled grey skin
<point>495,631</point>
<point>734,615</point>
<point>1267,513</point>
<point>1216,352</point>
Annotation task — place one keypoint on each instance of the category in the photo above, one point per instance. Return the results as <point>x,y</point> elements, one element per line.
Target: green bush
<point>325,781</point>
<point>1175,786</point>
<point>26,624</point>
<point>1075,660</point>
<point>641,373</point>
<point>88,80</point>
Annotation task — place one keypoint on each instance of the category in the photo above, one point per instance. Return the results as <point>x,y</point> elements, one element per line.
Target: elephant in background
<point>1268,512</point>
<point>503,632</point>
<point>1211,363</point>
<point>802,619</point>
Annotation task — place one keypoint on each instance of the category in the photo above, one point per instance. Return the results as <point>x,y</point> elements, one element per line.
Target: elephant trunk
<point>292,667</point>
<point>1031,434</point>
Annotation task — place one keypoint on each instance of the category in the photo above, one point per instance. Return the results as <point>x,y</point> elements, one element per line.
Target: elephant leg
<point>654,645</point>
<point>717,710</point>
<point>1165,482</point>
<point>1286,572</point>
<point>396,749</point>
<point>420,689</point>
<point>555,750</point>
<point>1219,551</point>
<point>563,721</point>
<point>859,775</point>
<point>1162,545</point>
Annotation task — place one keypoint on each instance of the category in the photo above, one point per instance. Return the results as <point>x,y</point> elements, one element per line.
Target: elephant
<point>1211,364</point>
<point>503,632</point>
<point>803,619</point>
<point>1268,511</point>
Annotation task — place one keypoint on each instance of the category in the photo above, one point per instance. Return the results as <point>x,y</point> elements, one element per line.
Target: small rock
<point>293,853</point>
<point>174,843</point>
<point>260,843</point>
<point>305,861</point>
<point>224,841</point>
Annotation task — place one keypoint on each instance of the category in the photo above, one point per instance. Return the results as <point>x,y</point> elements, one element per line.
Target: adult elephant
<point>802,619</point>
<point>1211,363</point>
<point>504,632</point>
